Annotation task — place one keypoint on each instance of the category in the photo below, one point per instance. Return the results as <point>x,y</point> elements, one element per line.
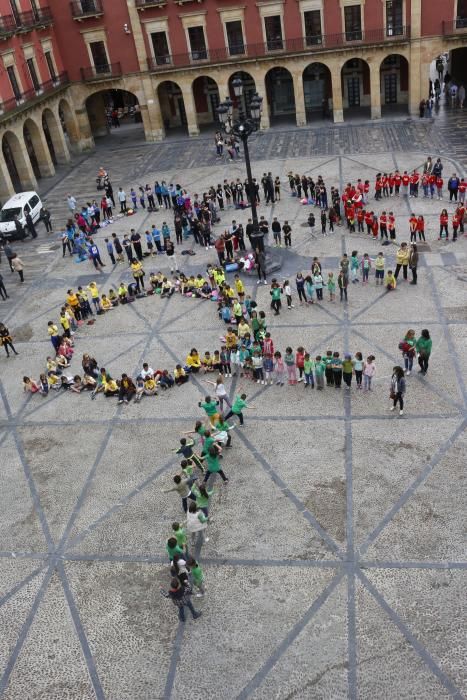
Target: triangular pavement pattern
<point>20,525</point>
<point>388,666</point>
<point>401,457</point>
<point>60,460</point>
<point>315,664</point>
<point>432,524</point>
<point>130,627</point>
<point>52,647</point>
<point>13,615</point>
<point>319,481</point>
<point>258,616</point>
<point>432,605</point>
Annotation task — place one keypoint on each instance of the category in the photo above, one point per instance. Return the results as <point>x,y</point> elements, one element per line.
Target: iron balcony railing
<point>455,26</point>
<point>101,72</point>
<point>141,4</point>
<point>86,8</point>
<point>313,44</point>
<point>24,97</point>
<point>25,21</point>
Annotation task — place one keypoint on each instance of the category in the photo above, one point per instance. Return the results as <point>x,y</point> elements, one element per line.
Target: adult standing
<point>461,96</point>
<point>228,243</point>
<point>180,597</point>
<point>126,243</point>
<point>19,229</point>
<point>402,260</point>
<point>413,262</point>
<point>66,244</point>
<point>219,245</point>
<point>30,225</point>
<point>47,219</point>
<point>136,241</point>
<point>423,346</point>
<point>10,254</point>
<point>18,266</point>
<point>170,252</point>
<point>453,187</point>
<point>3,292</point>
<point>260,264</point>
<point>122,200</point>
<point>138,274</point>
<point>397,390</point>
<point>118,247</point>
<point>6,340</point>
<point>110,251</point>
<point>287,231</point>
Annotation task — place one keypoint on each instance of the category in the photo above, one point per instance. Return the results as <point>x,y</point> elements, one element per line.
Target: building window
<point>197,43</point>
<point>461,17</point>
<point>15,11</point>
<point>14,82</point>
<point>34,9</point>
<point>394,17</point>
<point>353,22</point>
<point>160,47</point>
<point>99,56</point>
<point>273,28</point>
<point>50,65</point>
<point>33,73</point>
<point>234,33</point>
<point>312,20</point>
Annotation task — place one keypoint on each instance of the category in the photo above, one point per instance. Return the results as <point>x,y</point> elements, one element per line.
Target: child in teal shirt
<point>354,265</point>
<point>320,368</point>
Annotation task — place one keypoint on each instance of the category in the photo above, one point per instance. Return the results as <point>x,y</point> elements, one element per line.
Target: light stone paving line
<point>269,664</point>
<point>413,641</point>
<point>20,585</point>
<point>424,381</point>
<point>413,565</point>
<point>80,633</point>
<point>416,483</point>
<point>349,529</point>
<point>24,632</point>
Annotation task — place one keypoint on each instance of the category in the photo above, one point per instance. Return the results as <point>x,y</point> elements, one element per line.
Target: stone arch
<point>394,84</point>
<point>68,122</point>
<point>172,106</point>
<point>54,137</point>
<point>280,94</point>
<point>36,147</point>
<point>317,89</point>
<point>111,109</point>
<point>356,88</point>
<point>249,89</point>
<point>206,99</point>
<point>19,169</point>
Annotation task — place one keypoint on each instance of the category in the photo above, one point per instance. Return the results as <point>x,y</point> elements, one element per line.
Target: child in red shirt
<point>392,226</point>
<point>413,228</point>
<point>443,224</point>
<point>439,187</point>
<point>421,228</point>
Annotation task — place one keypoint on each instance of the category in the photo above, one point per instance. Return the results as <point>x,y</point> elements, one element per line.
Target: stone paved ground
<point>336,561</point>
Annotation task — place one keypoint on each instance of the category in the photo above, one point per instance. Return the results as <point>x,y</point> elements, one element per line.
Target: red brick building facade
<point>62,64</point>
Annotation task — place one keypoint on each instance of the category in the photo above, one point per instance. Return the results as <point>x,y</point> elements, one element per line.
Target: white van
<point>19,205</point>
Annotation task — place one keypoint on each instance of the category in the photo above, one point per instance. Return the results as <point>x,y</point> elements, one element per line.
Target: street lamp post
<point>242,128</point>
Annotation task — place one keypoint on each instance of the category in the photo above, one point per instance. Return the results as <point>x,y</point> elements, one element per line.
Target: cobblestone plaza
<point>336,561</point>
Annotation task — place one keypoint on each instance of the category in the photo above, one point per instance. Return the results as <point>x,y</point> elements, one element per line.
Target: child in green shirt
<point>331,286</point>
<point>347,370</point>
<point>172,547</point>
<point>197,576</point>
<point>180,535</point>
<point>308,367</point>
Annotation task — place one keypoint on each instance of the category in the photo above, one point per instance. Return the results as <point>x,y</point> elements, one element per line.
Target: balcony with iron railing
<point>143,4</point>
<point>456,26</point>
<point>104,71</point>
<point>25,21</point>
<point>81,9</point>
<point>25,99</point>
<point>308,44</point>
